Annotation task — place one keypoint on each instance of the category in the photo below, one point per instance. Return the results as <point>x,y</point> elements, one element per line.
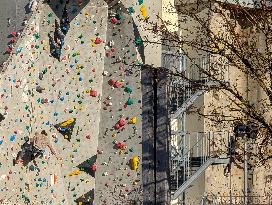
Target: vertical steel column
<point>245,171</point>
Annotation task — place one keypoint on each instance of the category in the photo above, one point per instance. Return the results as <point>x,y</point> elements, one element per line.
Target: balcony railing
<point>236,200</point>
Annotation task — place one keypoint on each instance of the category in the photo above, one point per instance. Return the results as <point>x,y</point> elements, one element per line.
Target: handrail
<point>185,155</point>
<point>235,200</point>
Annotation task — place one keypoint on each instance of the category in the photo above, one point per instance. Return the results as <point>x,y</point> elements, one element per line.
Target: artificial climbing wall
<point>117,182</point>
<point>71,88</point>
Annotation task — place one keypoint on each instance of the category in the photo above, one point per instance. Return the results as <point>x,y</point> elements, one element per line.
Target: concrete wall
<point>66,95</point>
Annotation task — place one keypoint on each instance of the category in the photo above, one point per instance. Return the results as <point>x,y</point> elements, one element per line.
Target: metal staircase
<point>190,164</point>
<point>190,98</point>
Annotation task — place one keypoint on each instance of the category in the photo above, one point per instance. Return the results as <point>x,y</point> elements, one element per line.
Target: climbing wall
<point>38,92</point>
<point>117,182</point>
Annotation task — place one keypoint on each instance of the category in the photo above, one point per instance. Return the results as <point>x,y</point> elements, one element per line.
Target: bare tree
<point>236,39</point>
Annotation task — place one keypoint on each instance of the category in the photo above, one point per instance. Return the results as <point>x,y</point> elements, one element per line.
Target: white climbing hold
<point>105,73</point>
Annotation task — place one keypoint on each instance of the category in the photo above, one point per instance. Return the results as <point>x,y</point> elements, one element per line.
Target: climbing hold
<point>130,101</point>
<point>121,145</point>
<point>14,33</point>
<point>66,128</point>
<point>94,167</point>
<point>74,173</point>
<point>12,138</point>
<point>105,73</point>
<point>112,82</point>
<point>98,40</point>
<point>135,163</point>
<point>128,89</point>
<point>138,41</point>
<point>140,2</point>
<point>133,120</point>
<point>122,122</point>
<point>93,93</point>
<point>118,17</point>
<point>114,20</point>
<point>118,84</point>
<point>131,10</point>
<point>144,11</point>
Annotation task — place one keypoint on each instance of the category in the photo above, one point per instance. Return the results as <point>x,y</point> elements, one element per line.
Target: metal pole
<point>245,171</point>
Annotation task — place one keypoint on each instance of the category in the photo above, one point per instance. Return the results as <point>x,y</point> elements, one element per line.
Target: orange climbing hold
<point>144,11</point>
<point>93,93</point>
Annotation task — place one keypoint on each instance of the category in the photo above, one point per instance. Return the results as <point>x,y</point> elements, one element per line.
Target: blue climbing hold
<point>12,138</point>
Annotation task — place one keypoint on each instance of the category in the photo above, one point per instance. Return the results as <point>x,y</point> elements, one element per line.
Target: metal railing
<point>197,149</point>
<point>236,200</point>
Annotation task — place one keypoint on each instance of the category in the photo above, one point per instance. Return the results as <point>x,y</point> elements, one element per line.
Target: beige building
<point>200,146</point>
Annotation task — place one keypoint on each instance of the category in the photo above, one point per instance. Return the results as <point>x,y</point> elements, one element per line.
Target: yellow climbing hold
<point>144,12</point>
<point>67,122</point>
<point>74,173</point>
<point>133,120</point>
<point>135,163</point>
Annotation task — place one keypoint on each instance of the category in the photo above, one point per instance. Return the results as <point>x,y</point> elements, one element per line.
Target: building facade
<point>200,147</point>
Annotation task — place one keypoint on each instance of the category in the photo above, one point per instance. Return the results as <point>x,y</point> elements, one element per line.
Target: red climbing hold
<point>117,126</point>
<point>114,20</point>
<point>13,40</point>
<point>108,54</point>
<point>9,50</point>
<point>93,167</point>
<point>93,93</point>
<point>121,145</point>
<point>122,122</point>
<point>14,33</point>
<point>112,82</point>
<point>118,84</point>
<point>98,40</point>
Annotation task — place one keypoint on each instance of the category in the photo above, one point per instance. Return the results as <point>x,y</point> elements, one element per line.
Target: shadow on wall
<point>86,199</point>
<point>74,7</point>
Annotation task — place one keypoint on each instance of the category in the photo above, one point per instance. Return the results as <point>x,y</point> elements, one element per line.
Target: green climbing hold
<point>37,46</point>
<point>81,36</point>
<point>138,42</point>
<point>128,89</point>
<point>91,80</point>
<point>37,36</point>
<point>50,14</point>
<point>118,16</point>
<point>131,10</point>
<point>130,101</point>
<point>140,2</point>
